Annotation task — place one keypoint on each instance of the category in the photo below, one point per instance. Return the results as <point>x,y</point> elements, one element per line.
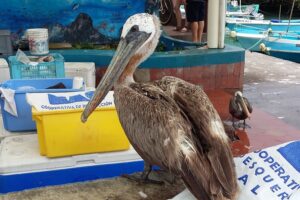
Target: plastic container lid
<point>20,154</point>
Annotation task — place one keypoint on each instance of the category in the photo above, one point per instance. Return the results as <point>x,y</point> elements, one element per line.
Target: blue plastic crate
<point>22,86</point>
<point>54,69</point>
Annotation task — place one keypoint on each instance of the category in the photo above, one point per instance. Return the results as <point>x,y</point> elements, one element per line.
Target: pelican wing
<point>214,155</point>
<point>234,109</point>
<point>152,122</point>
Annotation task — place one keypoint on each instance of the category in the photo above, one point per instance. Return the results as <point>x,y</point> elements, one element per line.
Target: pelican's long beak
<point>126,49</point>
<point>244,106</point>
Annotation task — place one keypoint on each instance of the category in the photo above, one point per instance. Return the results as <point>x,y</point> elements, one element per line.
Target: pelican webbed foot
<point>239,125</point>
<point>140,178</point>
<point>234,125</point>
<point>144,176</point>
<point>243,125</point>
<point>165,176</point>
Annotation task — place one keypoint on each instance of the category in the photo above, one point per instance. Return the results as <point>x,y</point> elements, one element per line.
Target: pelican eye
<point>134,28</point>
<point>135,34</point>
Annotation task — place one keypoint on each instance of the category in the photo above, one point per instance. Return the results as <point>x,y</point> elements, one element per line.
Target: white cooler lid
<point>20,154</point>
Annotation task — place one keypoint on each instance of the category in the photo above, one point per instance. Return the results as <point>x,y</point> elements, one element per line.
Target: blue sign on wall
<point>73,21</point>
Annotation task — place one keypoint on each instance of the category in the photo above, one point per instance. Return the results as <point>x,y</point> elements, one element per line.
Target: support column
<point>222,23</point>
<point>216,14</point>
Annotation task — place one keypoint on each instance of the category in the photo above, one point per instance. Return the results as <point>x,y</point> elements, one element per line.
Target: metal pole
<point>279,17</point>
<point>291,14</point>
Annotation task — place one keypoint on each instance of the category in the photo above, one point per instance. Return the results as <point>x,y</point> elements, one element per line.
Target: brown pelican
<point>169,122</point>
<point>239,108</point>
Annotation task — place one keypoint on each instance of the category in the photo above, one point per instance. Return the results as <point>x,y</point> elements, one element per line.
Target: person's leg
<point>200,30</point>
<point>186,23</point>
<point>201,17</point>
<point>176,9</point>
<point>194,27</point>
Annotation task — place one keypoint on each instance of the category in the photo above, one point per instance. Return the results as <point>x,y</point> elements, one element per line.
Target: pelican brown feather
<point>174,121</point>
<point>209,137</point>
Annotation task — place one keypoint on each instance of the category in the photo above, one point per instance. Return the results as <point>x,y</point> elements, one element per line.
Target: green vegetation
<point>161,47</point>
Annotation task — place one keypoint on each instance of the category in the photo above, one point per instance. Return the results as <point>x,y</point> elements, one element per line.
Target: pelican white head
<point>147,23</point>
<point>138,41</point>
<point>238,93</point>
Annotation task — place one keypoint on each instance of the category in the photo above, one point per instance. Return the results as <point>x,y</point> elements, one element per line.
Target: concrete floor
<point>109,189</point>
<point>271,84</point>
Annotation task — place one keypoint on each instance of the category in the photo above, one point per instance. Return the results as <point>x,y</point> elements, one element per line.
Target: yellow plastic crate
<point>61,132</point>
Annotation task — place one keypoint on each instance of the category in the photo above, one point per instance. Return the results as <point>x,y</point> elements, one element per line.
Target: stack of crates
<point>30,78</point>
<point>60,132</point>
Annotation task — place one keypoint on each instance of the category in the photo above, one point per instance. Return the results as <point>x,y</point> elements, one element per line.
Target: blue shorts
<point>195,11</point>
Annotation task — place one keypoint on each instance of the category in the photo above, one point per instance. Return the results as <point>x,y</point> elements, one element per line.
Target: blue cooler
<point>22,86</point>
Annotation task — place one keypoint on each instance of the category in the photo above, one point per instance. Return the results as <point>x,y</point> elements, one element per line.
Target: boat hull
<point>287,48</point>
<point>286,55</point>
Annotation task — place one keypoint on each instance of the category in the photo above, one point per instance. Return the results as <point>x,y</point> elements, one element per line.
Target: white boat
<point>263,25</point>
<point>285,45</point>
<point>235,10</point>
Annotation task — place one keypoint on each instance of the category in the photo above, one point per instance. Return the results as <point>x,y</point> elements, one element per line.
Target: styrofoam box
<point>5,43</point>
<point>4,70</point>
<point>86,70</point>
<point>22,166</point>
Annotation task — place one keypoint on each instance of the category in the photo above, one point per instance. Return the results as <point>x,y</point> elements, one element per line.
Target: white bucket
<point>78,83</point>
<point>38,41</point>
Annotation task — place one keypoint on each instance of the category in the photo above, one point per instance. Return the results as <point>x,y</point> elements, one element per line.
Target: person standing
<point>176,9</point>
<point>195,13</point>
